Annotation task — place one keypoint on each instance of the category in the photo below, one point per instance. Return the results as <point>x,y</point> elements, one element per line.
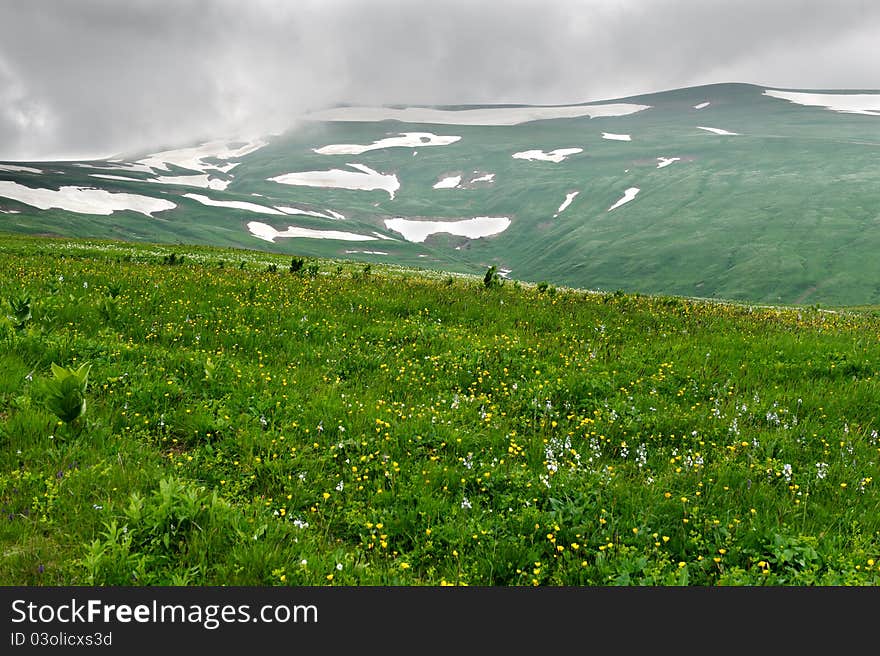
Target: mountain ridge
<point>738,195</point>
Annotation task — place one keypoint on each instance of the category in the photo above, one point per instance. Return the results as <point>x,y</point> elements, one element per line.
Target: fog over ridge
<point>97,77</point>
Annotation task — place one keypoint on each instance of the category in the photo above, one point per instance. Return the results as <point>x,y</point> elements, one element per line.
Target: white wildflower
<point>786,472</point>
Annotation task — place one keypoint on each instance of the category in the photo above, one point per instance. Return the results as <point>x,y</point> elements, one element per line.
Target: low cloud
<point>100,77</point>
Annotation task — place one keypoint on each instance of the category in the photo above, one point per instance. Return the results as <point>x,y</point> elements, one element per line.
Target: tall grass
<point>250,425</point>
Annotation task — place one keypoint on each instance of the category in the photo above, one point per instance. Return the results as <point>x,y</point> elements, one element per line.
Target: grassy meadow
<point>782,212</point>
<point>348,424</point>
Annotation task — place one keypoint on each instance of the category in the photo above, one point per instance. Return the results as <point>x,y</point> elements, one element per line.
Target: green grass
<point>405,427</point>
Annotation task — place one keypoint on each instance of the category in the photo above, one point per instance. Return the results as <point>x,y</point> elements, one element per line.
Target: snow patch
<point>552,156</point>
<point>193,158</point>
<point>450,182</point>
<point>702,105</point>
<point>233,204</point>
<point>365,179</point>
<point>405,140</point>
<point>336,216</point>
<point>628,195</point>
<point>489,177</point>
<point>13,168</point>
<point>718,131</point>
<point>108,176</point>
<point>270,234</point>
<point>115,165</point>
<point>83,200</point>
<point>666,161</point>
<point>419,231</point>
<point>203,181</point>
<point>850,103</point>
<point>568,198</point>
<point>616,137</point>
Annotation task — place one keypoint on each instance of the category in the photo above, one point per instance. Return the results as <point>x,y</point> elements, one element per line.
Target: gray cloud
<point>97,77</point>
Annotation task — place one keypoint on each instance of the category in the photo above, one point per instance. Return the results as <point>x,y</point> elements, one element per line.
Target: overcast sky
<point>91,78</point>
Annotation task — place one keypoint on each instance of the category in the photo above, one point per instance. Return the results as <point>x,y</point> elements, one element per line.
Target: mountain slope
<point>717,191</point>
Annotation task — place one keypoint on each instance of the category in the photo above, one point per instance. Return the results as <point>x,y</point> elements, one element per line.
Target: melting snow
<point>489,177</point>
<point>233,204</point>
<point>185,180</point>
<point>295,210</point>
<point>107,176</point>
<point>193,181</point>
<point>478,116</point>
<point>666,161</point>
<point>718,131</point>
<point>616,137</point>
<point>83,200</point>
<point>226,168</point>
<point>406,139</point>
<point>193,158</point>
<point>116,166</point>
<point>365,179</point>
<point>448,183</point>
<point>270,234</point>
<point>18,169</point>
<point>418,231</point>
<point>552,156</point>
<point>628,195</point>
<point>568,198</point>
<point>850,103</point>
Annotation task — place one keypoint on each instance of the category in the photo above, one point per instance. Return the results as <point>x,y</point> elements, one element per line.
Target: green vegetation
<point>21,311</point>
<point>245,426</point>
<point>783,212</point>
<point>66,392</point>
<point>492,279</point>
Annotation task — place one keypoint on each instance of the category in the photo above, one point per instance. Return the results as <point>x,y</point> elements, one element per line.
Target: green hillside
<point>784,211</point>
<point>346,424</point>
